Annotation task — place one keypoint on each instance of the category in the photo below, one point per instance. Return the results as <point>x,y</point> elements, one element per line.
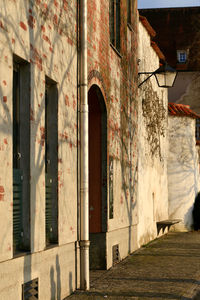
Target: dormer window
<point>182,56</point>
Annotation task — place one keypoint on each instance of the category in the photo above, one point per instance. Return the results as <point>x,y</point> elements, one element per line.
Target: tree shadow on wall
<point>33,18</point>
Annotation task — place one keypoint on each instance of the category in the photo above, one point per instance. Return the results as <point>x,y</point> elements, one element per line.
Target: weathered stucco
<point>153,145</point>
<point>44,35</point>
<point>183,170</point>
<point>116,75</point>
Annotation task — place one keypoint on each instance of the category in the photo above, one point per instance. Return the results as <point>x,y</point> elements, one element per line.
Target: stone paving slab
<point>167,268</point>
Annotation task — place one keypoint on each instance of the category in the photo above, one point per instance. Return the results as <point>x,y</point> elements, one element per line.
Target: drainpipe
<point>84,182</point>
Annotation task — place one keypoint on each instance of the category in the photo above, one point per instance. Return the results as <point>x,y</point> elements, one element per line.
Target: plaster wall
<point>125,238</point>
<point>153,145</point>
<point>183,170</point>
<point>55,269</point>
<point>44,35</point>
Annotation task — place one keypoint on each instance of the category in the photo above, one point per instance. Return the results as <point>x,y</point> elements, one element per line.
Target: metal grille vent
<point>115,250</point>
<point>30,290</point>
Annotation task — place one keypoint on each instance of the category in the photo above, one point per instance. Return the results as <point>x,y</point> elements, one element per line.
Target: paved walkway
<point>167,268</point>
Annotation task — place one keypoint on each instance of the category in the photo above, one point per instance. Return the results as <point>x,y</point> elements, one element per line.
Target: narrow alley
<point>166,268</point>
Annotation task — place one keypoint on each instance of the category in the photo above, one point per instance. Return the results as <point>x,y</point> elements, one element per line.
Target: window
<point>21,155</point>
<point>197,131</point>
<point>129,11</point>
<point>182,56</point>
<point>51,161</point>
<point>115,23</point>
<point>111,187</point>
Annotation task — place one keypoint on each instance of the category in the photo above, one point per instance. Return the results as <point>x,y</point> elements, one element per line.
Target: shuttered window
<point>197,131</point>
<point>21,155</point>
<point>129,10</point>
<point>115,21</point>
<point>51,161</point>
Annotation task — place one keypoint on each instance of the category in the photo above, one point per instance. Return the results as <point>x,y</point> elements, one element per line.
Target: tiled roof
<point>175,109</point>
<point>157,50</point>
<point>147,25</point>
<point>152,34</point>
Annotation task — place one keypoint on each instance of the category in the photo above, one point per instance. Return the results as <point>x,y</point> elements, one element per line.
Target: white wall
<point>152,166</point>
<point>183,169</point>
<point>39,35</point>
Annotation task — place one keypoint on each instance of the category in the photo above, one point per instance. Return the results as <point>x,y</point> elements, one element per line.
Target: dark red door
<point>95,163</point>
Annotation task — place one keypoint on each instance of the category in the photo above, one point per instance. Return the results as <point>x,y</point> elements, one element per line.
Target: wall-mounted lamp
<point>165,76</point>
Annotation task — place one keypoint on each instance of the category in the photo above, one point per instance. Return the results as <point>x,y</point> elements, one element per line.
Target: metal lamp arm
<point>146,78</point>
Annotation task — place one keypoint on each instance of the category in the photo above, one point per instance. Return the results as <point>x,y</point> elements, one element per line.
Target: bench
<point>166,223</point>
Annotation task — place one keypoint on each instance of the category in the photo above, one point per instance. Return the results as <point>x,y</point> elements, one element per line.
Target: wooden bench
<point>166,223</point>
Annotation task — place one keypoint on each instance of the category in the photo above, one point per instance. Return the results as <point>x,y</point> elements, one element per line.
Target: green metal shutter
<point>17,208</point>
<point>48,209</point>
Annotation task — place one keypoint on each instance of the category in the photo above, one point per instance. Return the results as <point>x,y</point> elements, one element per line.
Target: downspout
<point>84,165</point>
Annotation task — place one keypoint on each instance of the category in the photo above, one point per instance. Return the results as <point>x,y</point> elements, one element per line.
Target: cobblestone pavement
<point>167,268</point>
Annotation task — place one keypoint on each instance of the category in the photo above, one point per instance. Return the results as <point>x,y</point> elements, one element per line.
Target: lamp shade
<point>165,76</point>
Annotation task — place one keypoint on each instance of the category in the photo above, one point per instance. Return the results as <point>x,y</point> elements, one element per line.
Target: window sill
<point>21,253</point>
<point>130,27</point>
<point>115,49</point>
<point>50,246</point>
<point>198,142</point>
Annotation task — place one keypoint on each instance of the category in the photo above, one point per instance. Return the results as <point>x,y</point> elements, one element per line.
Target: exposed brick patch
<point>45,38</point>
<point>31,21</point>
<point>23,26</point>
<point>56,3</point>
<point>42,139</point>
<point>95,73</point>
<point>1,25</point>
<point>67,101</point>
<point>70,41</point>
<point>2,191</point>
<point>4,98</point>
<point>32,118</point>
<point>36,57</point>
<point>65,5</point>
<point>55,20</point>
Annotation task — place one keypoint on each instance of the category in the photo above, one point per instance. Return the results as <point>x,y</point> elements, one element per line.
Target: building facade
<point>183,164</point>
<point>41,146</point>
<point>153,140</point>
<point>178,37</point>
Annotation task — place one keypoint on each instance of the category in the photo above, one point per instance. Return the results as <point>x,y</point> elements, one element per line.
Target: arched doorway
<point>97,177</point>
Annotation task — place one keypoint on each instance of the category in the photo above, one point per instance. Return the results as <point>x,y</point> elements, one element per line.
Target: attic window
<point>182,56</point>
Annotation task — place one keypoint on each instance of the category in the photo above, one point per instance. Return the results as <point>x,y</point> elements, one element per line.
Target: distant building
<point>178,36</point>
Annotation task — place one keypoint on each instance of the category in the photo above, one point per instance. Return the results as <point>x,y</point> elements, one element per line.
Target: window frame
<point>129,12</point>
<point>115,24</point>
<point>181,53</point>
<point>21,155</point>
<point>51,162</point>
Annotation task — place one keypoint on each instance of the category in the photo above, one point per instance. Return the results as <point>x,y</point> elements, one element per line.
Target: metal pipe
<point>84,181</point>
